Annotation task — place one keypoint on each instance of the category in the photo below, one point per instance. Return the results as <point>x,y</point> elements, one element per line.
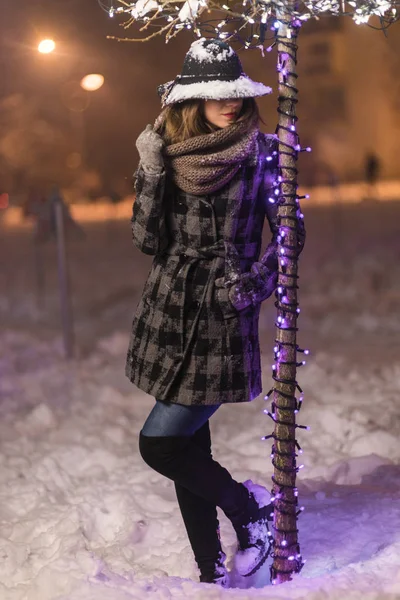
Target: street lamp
<point>77,100</point>
<point>92,82</point>
<point>46,46</point>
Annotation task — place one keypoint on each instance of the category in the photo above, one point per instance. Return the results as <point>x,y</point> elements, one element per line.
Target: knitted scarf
<point>205,163</point>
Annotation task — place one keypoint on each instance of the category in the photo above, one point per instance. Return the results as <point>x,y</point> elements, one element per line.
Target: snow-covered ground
<point>83,518</point>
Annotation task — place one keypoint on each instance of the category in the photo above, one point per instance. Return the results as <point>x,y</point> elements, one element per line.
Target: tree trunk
<point>286,553</point>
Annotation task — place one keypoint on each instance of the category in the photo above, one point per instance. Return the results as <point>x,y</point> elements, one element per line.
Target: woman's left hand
<point>251,288</point>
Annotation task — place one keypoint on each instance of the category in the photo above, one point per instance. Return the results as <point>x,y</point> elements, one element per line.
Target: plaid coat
<point>189,345</point>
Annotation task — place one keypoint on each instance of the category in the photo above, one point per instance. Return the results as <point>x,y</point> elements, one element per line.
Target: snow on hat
<point>211,71</point>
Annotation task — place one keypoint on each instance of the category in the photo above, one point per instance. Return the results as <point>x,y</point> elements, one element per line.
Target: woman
<point>203,189</point>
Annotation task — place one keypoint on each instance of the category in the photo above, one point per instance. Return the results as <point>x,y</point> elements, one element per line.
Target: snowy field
<point>83,518</point>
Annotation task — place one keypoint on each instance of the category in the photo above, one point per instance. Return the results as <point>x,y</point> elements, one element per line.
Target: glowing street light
<point>92,82</point>
<point>46,46</point>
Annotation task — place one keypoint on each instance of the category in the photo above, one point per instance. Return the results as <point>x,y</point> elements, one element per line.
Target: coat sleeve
<point>256,285</point>
<point>267,191</point>
<point>148,221</point>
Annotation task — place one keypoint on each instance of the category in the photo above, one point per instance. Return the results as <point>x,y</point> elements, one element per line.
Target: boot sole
<point>260,564</point>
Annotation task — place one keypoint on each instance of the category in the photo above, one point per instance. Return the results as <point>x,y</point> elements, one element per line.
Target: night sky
<point>127,101</point>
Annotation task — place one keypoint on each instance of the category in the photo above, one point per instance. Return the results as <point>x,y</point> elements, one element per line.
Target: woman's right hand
<point>150,145</point>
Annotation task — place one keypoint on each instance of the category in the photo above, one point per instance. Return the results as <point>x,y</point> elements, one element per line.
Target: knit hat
<point>211,71</point>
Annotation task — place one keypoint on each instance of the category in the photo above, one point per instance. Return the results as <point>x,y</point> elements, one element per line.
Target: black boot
<point>181,460</point>
<point>252,530</point>
<point>217,574</point>
<point>201,522</point>
<point>189,466</point>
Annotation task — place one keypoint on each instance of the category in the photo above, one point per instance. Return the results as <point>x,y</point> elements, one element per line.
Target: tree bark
<point>286,552</point>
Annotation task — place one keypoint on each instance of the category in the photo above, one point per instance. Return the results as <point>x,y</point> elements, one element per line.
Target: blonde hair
<point>184,120</point>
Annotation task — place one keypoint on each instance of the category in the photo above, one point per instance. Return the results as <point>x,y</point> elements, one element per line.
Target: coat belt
<point>220,249</point>
<point>218,253</point>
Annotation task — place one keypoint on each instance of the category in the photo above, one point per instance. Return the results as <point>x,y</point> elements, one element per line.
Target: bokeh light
<point>46,46</point>
<point>92,82</point>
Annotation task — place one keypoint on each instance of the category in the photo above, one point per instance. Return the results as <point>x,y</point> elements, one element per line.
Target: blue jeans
<point>168,419</point>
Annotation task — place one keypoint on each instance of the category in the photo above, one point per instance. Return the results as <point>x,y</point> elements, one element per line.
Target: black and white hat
<point>211,71</point>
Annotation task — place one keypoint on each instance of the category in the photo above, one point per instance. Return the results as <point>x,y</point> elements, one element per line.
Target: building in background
<point>349,82</point>
<point>349,103</point>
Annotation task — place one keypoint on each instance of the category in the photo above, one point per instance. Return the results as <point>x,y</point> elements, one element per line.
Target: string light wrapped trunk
<point>286,549</point>
<point>250,22</point>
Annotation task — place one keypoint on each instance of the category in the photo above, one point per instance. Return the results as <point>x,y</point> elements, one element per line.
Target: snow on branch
<point>251,19</point>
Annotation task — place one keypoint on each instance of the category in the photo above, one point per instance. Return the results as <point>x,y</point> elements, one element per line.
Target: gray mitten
<point>150,145</point>
<point>240,290</point>
<point>254,287</point>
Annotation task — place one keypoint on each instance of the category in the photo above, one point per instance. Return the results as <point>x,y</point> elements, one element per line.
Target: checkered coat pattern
<point>189,345</point>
